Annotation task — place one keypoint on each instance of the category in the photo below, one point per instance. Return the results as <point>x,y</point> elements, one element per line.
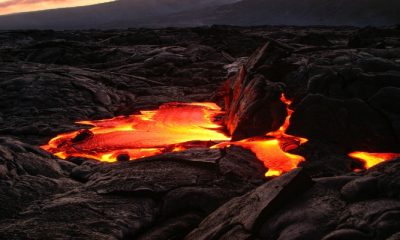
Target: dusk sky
<point>15,6</point>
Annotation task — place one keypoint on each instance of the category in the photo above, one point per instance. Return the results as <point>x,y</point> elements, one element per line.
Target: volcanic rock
<point>343,96</point>
<point>376,64</point>
<point>167,194</point>
<point>349,123</point>
<point>385,101</point>
<point>346,234</point>
<point>123,157</point>
<point>252,102</point>
<point>317,212</point>
<point>28,174</point>
<point>85,134</point>
<point>314,39</point>
<point>371,37</point>
<point>361,188</point>
<point>242,215</point>
<point>351,82</point>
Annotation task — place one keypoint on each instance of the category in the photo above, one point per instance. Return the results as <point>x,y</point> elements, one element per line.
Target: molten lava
<point>269,151</point>
<point>177,127</point>
<point>172,127</point>
<point>149,133</point>
<point>272,149</point>
<point>372,159</point>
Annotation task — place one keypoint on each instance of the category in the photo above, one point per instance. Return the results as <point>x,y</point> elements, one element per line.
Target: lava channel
<point>177,127</point>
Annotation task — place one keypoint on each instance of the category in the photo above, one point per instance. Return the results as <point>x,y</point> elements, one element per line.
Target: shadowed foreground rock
<point>292,207</point>
<point>238,218</point>
<point>161,197</point>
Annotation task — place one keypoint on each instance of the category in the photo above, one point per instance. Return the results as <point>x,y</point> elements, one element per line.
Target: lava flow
<point>372,159</point>
<point>173,127</point>
<point>166,129</point>
<point>177,127</point>
<point>272,148</point>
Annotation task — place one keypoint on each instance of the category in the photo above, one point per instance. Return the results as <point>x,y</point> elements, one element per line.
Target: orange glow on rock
<point>272,149</point>
<point>269,151</point>
<point>372,159</point>
<point>171,128</point>
<point>281,132</point>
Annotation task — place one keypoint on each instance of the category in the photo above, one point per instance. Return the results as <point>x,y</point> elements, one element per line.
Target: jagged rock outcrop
<point>252,101</point>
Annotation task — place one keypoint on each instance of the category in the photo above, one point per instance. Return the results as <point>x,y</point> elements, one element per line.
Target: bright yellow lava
<point>171,128</point>
<point>372,159</point>
<point>149,133</point>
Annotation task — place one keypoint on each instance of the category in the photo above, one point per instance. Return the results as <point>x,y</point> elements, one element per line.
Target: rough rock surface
<point>344,84</point>
<point>362,206</point>
<point>240,216</point>
<point>160,197</point>
<point>351,123</point>
<point>252,102</point>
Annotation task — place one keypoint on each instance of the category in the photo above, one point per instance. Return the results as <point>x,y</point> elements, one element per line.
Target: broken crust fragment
<point>241,216</point>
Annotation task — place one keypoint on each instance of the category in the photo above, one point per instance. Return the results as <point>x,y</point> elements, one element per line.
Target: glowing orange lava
<point>173,127</point>
<point>272,149</point>
<point>149,133</point>
<point>372,159</point>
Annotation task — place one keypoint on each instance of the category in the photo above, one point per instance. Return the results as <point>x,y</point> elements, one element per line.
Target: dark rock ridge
<point>344,84</point>
<point>305,12</point>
